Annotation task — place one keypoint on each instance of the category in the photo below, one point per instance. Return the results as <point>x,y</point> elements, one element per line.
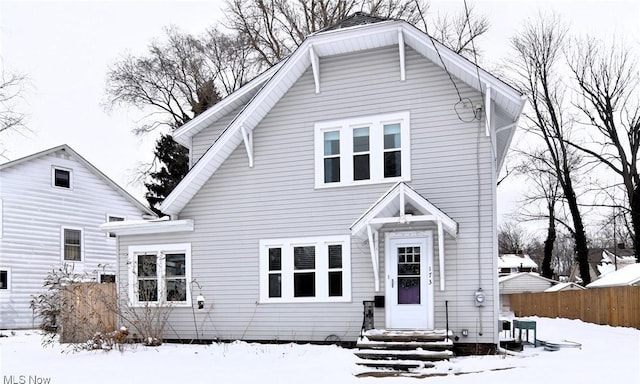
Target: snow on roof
<point>629,275</point>
<point>512,276</point>
<point>564,287</point>
<point>516,261</point>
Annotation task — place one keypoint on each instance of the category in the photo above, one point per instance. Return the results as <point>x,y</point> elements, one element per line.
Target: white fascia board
<point>141,227</point>
<point>512,132</point>
<point>184,133</point>
<point>290,69</point>
<point>402,191</point>
<point>420,42</point>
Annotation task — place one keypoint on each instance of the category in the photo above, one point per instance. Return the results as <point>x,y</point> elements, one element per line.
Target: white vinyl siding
<point>110,219</point>
<point>33,215</point>
<point>160,274</point>
<point>363,150</point>
<point>305,270</point>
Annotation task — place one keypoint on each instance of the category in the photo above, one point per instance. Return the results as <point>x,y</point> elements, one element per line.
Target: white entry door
<point>409,285</point>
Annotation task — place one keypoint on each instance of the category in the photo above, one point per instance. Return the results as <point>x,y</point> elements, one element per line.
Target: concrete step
<point>365,343</point>
<point>395,365</point>
<point>406,336</point>
<point>417,355</point>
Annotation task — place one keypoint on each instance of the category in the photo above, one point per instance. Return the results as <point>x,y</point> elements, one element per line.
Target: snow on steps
<point>402,351</point>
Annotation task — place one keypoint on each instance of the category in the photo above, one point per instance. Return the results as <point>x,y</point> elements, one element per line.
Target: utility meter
<point>479,298</point>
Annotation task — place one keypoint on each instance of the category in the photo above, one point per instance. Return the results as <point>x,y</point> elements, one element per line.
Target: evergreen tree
<point>174,165</point>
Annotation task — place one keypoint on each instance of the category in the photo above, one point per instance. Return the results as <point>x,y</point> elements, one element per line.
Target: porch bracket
<point>403,75</point>
<point>441,253</point>
<point>247,137</point>
<point>315,66</point>
<point>375,259</point>
<point>487,110</point>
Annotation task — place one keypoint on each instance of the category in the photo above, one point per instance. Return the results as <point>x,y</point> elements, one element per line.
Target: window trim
<point>8,270</point>
<point>109,216</point>
<point>321,269</point>
<point>345,127</point>
<point>62,244</point>
<point>158,249</point>
<point>53,177</point>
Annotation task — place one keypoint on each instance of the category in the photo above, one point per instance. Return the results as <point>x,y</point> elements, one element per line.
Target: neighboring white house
<point>515,263</point>
<point>522,282</point>
<point>566,286</point>
<point>627,276</point>
<point>361,168</point>
<point>52,204</point>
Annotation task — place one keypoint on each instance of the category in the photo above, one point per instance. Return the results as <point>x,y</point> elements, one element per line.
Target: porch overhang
<point>401,205</point>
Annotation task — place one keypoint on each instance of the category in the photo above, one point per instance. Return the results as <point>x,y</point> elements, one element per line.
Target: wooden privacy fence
<point>87,308</point>
<point>615,306</point>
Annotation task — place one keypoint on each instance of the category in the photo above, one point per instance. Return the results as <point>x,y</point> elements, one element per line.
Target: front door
<point>409,285</point>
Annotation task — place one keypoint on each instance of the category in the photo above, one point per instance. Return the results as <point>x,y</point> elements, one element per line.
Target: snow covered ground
<point>608,355</point>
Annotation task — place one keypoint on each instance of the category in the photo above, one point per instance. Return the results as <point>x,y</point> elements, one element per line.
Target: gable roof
<point>524,275</point>
<point>629,275</point>
<point>565,287</point>
<point>393,204</point>
<point>516,261</point>
<point>88,165</point>
<point>274,85</point>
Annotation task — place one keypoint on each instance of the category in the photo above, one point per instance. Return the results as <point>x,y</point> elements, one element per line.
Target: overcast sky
<point>65,48</point>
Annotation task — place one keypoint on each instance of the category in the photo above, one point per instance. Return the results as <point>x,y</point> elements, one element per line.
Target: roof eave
<point>143,227</point>
<point>254,111</point>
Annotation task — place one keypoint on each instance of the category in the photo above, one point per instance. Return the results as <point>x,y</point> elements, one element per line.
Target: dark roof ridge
<point>356,18</point>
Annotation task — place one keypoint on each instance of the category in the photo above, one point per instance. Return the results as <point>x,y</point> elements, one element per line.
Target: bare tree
<point>543,198</point>
<point>538,48</point>
<point>11,91</point>
<point>512,238</point>
<point>607,80</point>
<point>458,32</point>
<point>274,28</point>
<point>174,82</point>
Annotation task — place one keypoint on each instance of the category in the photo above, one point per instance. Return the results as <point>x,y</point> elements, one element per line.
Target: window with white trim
<point>111,219</point>
<point>160,274</point>
<point>363,150</point>
<point>61,178</point>
<point>316,269</point>
<point>72,244</point>
<point>5,279</point>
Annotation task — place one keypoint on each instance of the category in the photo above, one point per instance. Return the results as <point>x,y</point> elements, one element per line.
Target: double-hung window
<point>160,274</point>
<point>369,149</point>
<point>305,269</point>
<point>72,244</point>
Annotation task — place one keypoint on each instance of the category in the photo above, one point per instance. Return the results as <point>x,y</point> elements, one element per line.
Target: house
<point>566,286</point>
<point>515,263</point>
<point>521,283</point>
<point>627,276</point>
<point>362,168</point>
<point>52,204</point>
<point>604,260</point>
